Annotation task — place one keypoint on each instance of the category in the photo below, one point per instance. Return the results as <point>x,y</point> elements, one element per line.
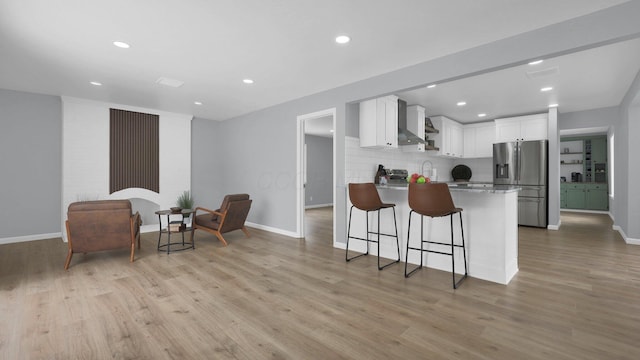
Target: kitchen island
<point>490,218</point>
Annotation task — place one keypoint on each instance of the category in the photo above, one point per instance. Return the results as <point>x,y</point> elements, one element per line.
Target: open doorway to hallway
<point>316,175</point>
<point>319,224</point>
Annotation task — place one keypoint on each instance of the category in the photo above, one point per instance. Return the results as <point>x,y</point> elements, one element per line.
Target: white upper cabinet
<point>415,124</point>
<point>379,122</point>
<point>479,139</point>
<point>450,137</point>
<point>530,127</point>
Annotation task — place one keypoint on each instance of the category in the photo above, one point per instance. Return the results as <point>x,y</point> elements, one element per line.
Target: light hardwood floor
<point>577,296</point>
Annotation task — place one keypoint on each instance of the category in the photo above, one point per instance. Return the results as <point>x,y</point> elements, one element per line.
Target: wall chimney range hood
<point>405,137</point>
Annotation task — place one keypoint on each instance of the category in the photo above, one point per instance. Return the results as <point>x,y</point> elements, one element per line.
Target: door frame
<point>300,169</point>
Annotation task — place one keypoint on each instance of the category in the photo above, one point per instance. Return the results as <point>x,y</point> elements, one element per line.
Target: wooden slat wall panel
<point>134,151</point>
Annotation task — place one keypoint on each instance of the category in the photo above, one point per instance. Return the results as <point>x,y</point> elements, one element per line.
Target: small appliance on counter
<point>576,177</point>
<point>381,176</point>
<point>461,173</point>
<point>397,176</point>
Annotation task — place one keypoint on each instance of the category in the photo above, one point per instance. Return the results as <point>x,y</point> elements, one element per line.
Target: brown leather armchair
<point>101,225</point>
<point>229,217</point>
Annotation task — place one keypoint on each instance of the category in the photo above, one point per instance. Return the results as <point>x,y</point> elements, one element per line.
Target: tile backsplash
<point>362,163</point>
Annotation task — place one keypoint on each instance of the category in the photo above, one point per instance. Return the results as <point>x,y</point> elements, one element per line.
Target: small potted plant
<point>185,201</point>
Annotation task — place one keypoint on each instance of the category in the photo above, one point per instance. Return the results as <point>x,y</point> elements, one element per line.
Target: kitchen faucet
<point>422,167</point>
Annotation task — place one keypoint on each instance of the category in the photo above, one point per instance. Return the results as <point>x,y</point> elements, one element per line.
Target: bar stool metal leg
<point>397,241</point>
<point>368,238</point>
<point>406,259</point>
<point>464,254</point>
<point>346,255</point>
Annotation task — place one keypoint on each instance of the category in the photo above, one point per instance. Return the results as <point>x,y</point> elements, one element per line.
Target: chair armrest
<point>213,212</point>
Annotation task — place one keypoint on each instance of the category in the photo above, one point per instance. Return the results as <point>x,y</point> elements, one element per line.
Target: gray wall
<point>603,117</point>
<point>627,165</point>
<point>31,163</point>
<point>319,188</point>
<point>208,180</point>
<point>271,132</point>
<point>256,153</point>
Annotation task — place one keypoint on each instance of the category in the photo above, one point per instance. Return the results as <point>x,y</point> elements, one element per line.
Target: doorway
<point>315,166</point>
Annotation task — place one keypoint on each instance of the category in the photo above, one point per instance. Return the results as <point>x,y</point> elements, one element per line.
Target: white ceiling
<point>590,79</point>
<point>286,46</point>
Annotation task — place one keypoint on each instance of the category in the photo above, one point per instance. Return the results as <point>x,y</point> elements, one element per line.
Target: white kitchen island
<point>490,218</point>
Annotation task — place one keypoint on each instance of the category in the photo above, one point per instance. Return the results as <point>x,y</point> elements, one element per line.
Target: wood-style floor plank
<point>576,296</point>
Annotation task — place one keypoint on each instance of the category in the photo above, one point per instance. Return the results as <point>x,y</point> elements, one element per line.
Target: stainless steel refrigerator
<point>524,163</point>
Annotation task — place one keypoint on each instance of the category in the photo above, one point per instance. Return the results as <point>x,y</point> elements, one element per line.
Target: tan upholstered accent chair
<point>101,225</point>
<point>229,217</point>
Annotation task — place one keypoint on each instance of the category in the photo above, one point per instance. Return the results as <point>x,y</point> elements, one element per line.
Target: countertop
<point>466,187</point>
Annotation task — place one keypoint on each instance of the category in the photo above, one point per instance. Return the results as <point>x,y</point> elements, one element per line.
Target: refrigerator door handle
<point>517,162</point>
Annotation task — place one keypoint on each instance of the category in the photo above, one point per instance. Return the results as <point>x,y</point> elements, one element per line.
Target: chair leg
<point>68,261</point>
<point>453,263</point>
<point>219,236</point>
<point>397,241</point>
<point>133,251</point>
<point>245,231</point>
<point>406,261</point>
<point>346,255</point>
<point>464,248</point>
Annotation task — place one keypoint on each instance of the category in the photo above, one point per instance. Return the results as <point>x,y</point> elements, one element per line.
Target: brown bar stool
<point>434,200</point>
<point>365,197</point>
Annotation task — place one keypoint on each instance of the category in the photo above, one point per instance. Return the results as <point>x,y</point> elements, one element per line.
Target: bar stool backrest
<point>364,196</point>
<point>432,200</point>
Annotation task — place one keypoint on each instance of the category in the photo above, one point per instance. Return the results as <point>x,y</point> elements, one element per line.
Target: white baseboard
<point>17,239</point>
<point>586,211</point>
<point>628,240</point>
<point>317,206</point>
<point>273,230</point>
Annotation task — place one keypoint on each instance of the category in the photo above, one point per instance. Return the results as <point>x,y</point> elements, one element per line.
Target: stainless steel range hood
<point>405,137</point>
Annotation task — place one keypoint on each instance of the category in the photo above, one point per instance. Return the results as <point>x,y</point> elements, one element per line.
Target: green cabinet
<point>584,196</point>
<point>596,197</point>
<point>576,197</point>
<point>599,150</point>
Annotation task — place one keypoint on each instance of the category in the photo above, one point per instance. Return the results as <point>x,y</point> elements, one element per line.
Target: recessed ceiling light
<point>482,115</point>
<point>197,102</point>
<point>536,62</point>
<point>121,44</point>
<point>247,81</point>
<point>343,39</point>
<point>553,105</point>
<point>95,83</point>
<point>548,88</point>
<point>331,130</point>
<point>431,86</point>
<point>461,103</point>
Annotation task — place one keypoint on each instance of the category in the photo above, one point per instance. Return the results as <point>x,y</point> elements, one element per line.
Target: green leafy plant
<point>185,200</point>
